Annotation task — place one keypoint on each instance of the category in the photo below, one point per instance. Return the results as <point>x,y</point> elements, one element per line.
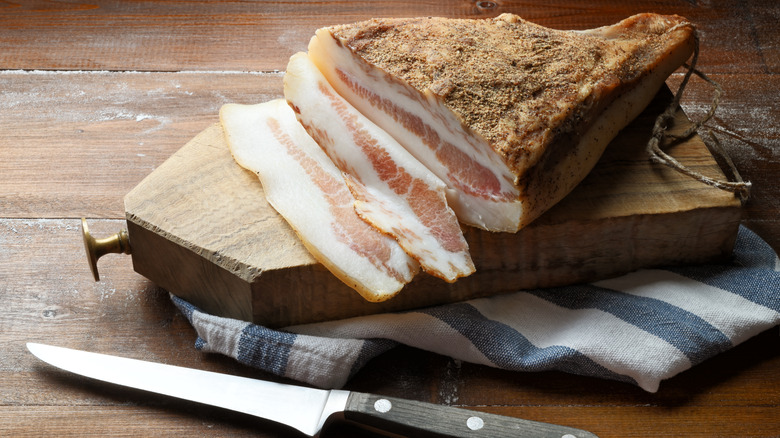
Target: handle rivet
<point>383,405</point>
<point>475,423</point>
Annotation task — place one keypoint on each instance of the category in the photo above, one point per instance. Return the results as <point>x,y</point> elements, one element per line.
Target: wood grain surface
<point>94,95</point>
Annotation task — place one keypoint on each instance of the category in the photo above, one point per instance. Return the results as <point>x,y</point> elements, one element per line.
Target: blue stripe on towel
<point>265,348</point>
<point>188,310</point>
<point>509,349</point>
<point>185,307</point>
<point>692,335</point>
<point>751,251</point>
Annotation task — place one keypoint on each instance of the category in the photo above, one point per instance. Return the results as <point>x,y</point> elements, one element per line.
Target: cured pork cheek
<point>304,186</point>
<point>532,108</point>
<point>394,192</point>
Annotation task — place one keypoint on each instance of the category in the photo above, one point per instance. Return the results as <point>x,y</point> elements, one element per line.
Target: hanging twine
<point>660,133</point>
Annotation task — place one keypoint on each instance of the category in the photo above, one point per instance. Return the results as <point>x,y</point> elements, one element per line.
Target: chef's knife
<point>302,408</point>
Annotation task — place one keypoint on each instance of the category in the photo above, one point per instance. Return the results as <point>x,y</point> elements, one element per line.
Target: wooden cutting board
<point>199,226</point>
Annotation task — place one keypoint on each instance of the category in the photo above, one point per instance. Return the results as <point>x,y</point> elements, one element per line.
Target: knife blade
<point>304,409</point>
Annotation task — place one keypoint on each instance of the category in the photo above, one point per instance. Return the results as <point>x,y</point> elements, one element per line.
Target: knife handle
<point>413,418</point>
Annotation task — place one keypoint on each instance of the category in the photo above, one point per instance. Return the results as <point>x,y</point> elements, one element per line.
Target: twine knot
<point>738,186</point>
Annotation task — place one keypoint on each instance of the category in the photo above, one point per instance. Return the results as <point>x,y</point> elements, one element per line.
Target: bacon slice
<point>394,192</point>
<point>307,189</point>
<point>511,115</point>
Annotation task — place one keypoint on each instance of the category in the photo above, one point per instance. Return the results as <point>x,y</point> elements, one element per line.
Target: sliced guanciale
<point>305,187</point>
<point>394,192</point>
<point>509,114</point>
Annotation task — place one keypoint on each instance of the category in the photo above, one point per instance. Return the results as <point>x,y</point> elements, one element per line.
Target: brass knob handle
<point>119,243</point>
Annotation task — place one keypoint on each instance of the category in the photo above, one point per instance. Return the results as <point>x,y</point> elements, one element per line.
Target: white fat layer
<point>477,211</point>
<point>341,130</point>
<point>290,189</point>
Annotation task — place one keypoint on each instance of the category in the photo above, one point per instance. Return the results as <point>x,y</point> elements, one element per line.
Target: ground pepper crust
<point>519,85</point>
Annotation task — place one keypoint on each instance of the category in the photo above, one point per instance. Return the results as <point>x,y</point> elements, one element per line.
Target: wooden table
<point>95,95</point>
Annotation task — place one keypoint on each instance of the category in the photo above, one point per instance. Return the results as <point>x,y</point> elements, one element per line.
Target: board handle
<point>119,243</point>
<point>413,418</point>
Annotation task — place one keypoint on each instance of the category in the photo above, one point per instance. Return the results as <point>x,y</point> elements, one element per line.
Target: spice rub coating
<point>520,86</point>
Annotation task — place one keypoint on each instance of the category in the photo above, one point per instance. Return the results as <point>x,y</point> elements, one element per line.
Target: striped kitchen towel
<point>641,328</point>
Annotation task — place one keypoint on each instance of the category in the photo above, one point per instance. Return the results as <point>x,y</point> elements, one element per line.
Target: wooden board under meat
<point>200,227</point>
